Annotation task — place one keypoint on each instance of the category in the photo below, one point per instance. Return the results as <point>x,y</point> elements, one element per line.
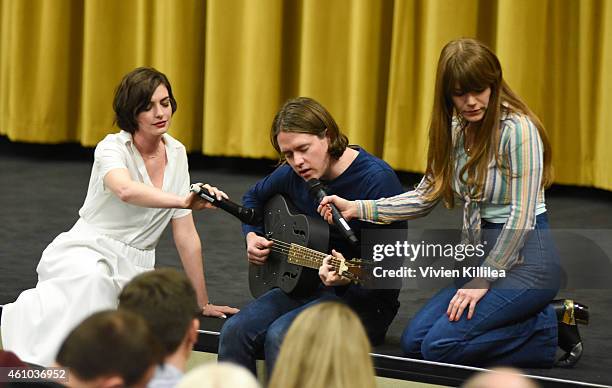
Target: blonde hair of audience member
<point>218,375</point>
<point>500,378</point>
<point>326,346</point>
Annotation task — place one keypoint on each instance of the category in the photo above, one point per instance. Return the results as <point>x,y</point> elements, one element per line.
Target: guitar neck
<point>305,257</point>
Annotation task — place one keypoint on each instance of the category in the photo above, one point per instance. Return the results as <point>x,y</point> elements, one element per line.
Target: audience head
<point>167,301</point>
<point>133,96</point>
<point>307,116</point>
<point>500,378</point>
<point>218,375</point>
<point>110,349</point>
<point>326,346</point>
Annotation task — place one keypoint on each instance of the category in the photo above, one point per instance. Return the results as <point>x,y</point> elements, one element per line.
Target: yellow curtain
<point>40,62</point>
<point>121,35</point>
<point>243,76</point>
<point>372,63</point>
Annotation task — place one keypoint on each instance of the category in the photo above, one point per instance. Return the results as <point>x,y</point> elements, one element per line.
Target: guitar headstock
<point>355,270</point>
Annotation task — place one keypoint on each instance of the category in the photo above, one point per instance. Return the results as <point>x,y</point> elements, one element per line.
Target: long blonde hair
<point>471,66</point>
<point>326,346</point>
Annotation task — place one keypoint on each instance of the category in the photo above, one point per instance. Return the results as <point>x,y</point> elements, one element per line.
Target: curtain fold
<point>372,63</point>
<point>242,76</point>
<point>121,35</point>
<point>421,29</point>
<point>40,62</point>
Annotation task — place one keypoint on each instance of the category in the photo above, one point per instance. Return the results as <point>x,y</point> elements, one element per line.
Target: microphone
<point>317,190</point>
<point>244,214</point>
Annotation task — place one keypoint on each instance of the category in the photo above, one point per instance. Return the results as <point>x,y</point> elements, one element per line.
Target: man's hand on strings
<point>328,272</point>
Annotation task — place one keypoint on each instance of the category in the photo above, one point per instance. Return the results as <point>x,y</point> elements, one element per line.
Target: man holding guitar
<point>310,146</point>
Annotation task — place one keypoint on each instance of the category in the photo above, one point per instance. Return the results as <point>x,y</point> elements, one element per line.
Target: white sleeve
<point>109,156</point>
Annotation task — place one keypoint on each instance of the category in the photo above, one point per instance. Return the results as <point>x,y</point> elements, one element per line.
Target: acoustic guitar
<point>297,252</point>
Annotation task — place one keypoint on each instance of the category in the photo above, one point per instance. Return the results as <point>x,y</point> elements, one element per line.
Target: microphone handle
<point>229,206</point>
<point>344,227</point>
<point>246,215</point>
<point>336,215</point>
<point>317,191</point>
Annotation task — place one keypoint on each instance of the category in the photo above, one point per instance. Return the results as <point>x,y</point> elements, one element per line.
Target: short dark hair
<point>306,115</point>
<point>165,298</point>
<point>134,93</point>
<point>110,343</point>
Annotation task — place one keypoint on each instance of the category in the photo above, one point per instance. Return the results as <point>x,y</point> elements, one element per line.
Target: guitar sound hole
<point>300,233</point>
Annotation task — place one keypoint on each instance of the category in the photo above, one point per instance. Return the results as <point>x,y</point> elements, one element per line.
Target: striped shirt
<point>521,149</point>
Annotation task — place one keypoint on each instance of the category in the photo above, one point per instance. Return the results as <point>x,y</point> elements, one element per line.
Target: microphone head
<point>316,188</point>
<point>313,185</point>
<point>195,188</point>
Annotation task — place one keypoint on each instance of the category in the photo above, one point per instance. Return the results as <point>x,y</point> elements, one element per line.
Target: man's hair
<point>167,301</point>
<point>133,95</point>
<point>110,343</point>
<point>305,115</point>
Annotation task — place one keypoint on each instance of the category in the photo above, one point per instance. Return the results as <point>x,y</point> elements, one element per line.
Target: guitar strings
<point>310,253</point>
<point>285,251</point>
<point>283,247</point>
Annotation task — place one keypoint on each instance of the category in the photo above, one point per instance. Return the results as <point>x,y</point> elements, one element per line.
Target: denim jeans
<point>513,324</point>
<point>259,328</point>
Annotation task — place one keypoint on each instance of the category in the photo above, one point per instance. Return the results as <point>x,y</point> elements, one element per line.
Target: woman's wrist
<point>185,202</point>
<point>356,209</point>
<point>360,209</point>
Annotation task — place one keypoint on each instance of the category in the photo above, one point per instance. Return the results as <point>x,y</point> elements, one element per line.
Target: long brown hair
<point>326,346</point>
<point>469,65</point>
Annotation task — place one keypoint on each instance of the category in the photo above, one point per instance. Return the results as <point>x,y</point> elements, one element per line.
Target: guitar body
<point>282,222</point>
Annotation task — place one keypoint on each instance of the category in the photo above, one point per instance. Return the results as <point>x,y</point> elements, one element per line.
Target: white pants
<point>80,272</point>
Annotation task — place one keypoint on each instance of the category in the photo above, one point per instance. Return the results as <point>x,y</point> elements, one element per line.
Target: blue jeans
<point>513,324</point>
<point>259,328</point>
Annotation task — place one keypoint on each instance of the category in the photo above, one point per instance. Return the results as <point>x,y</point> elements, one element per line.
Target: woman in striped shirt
<point>489,150</point>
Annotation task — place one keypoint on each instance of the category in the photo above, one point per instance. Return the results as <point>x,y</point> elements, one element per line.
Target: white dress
<point>83,270</point>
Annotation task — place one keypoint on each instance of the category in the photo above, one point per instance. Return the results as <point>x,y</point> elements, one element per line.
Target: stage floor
<point>42,188</point>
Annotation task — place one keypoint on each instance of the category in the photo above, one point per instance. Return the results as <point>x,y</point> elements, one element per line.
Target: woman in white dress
<point>139,184</point>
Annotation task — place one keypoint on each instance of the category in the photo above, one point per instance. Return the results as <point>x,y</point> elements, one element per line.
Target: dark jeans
<point>513,324</point>
<point>259,328</point>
